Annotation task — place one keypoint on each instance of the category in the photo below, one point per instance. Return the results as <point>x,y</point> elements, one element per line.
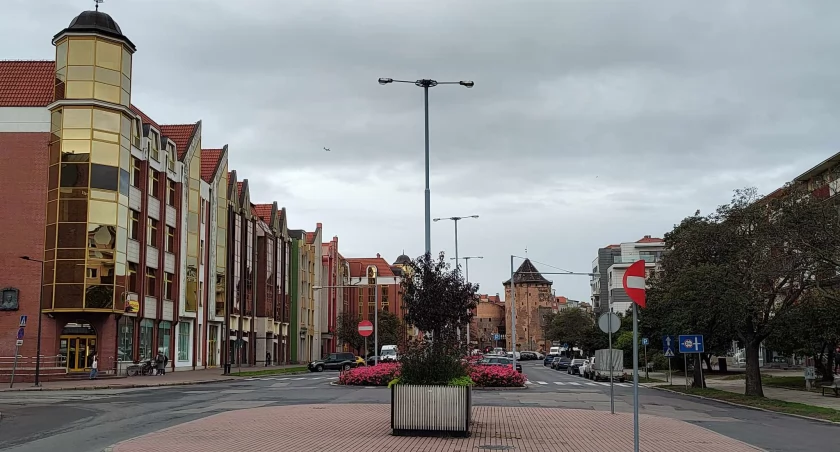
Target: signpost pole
<point>685,358</point>
<point>612,389</point>
<point>14,366</point>
<point>635,380</point>
<point>700,363</point>
<point>670,378</point>
<point>647,377</point>
<point>376,323</point>
<point>365,351</point>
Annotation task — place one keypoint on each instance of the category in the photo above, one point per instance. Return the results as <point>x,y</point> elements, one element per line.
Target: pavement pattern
<point>367,428</point>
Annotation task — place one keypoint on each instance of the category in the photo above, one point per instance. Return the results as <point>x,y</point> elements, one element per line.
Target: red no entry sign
<point>365,328</point>
<point>634,282</point>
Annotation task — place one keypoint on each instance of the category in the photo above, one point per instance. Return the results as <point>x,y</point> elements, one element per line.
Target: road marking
<point>574,383</point>
<point>590,384</point>
<point>623,385</point>
<point>299,378</point>
<point>542,382</point>
<point>315,378</point>
<point>559,383</point>
<point>332,378</point>
<point>528,382</point>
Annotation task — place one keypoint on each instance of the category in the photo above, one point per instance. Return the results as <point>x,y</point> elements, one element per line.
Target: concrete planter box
<point>418,410</point>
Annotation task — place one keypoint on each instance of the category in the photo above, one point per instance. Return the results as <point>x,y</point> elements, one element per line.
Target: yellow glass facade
<point>193,231</point>
<point>93,67</point>
<point>221,240</point>
<point>87,202</point>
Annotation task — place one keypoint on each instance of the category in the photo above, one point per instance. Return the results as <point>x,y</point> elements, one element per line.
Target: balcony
<point>630,260</point>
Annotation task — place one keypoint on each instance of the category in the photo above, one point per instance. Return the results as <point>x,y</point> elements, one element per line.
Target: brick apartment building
<point>147,241</point>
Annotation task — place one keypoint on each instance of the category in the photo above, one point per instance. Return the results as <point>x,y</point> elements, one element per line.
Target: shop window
<point>125,346</point>
<point>147,331</point>
<point>184,341</point>
<point>165,337</point>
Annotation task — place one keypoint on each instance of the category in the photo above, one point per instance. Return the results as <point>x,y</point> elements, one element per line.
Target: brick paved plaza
<point>304,428</point>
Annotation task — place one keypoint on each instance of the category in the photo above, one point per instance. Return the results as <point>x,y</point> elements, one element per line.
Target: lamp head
<point>385,81</point>
<point>467,83</point>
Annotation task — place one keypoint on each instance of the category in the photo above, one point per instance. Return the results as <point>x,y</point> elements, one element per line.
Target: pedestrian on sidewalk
<point>267,359</point>
<point>160,363</point>
<point>94,367</point>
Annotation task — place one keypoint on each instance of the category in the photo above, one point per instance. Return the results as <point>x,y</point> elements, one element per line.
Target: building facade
<point>607,290</point>
<point>533,300</point>
<point>487,322</point>
<point>130,228</point>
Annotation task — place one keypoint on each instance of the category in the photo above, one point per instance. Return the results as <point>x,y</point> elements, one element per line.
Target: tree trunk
<point>753,370</point>
<point>699,380</point>
<point>828,375</point>
<point>708,358</point>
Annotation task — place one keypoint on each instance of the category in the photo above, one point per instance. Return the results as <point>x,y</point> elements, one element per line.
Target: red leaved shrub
<point>379,375</point>
<point>496,376</point>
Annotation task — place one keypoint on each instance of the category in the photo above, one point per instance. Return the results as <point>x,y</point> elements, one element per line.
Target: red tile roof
<point>180,134</point>
<point>649,239</point>
<point>264,211</point>
<point>238,188</point>
<point>145,119</point>
<point>359,265</point>
<point>26,83</point>
<point>209,163</point>
<point>310,238</point>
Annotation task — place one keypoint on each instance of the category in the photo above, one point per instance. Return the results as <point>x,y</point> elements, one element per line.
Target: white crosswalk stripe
<point>574,383</point>
<point>542,383</point>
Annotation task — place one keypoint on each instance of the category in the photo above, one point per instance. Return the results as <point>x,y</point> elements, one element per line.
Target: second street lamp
<point>456,220</point>
<point>467,278</point>
<point>426,84</point>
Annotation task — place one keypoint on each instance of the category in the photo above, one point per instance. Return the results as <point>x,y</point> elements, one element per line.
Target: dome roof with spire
<point>402,260</point>
<point>96,22</point>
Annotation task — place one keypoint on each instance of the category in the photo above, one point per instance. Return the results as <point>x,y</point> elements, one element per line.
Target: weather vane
<point>97,3</point>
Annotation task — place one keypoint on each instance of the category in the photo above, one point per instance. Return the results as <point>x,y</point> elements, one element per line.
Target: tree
<point>389,331</point>
<point>438,301</point>
<point>347,330</point>
<point>571,326</point>
<point>746,266</point>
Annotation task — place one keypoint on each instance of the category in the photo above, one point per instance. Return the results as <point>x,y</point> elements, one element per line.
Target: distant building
<point>488,321</point>
<point>533,297</point>
<point>607,288</point>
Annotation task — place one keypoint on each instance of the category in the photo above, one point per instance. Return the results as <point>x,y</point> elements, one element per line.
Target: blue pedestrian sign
<point>22,321</point>
<point>644,341</point>
<point>496,336</point>
<point>668,343</point>
<point>691,343</point>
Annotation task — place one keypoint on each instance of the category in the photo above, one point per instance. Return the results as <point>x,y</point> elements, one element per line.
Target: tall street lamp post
<point>40,320</point>
<point>467,277</point>
<point>426,84</point>
<point>455,220</point>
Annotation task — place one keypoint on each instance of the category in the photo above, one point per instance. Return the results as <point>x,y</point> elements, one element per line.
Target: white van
<point>389,353</point>
<point>554,351</point>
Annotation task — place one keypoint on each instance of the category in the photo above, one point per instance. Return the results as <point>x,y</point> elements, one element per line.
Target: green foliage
<point>389,325</point>
<point>577,328</point>
<point>393,382</point>
<point>438,301</point>
<point>347,331</point>
<point>462,381</point>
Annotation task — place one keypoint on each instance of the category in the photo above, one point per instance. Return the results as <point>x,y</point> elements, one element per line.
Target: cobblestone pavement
<point>367,428</point>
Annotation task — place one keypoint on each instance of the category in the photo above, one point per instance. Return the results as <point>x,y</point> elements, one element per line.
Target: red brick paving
<point>304,428</point>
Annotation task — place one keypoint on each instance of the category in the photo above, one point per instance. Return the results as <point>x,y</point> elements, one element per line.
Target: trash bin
<point>722,364</point>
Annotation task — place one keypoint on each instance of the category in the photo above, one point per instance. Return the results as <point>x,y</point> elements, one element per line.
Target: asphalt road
<point>89,421</point>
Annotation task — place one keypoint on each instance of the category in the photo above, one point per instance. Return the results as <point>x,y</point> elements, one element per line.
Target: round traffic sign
<point>688,343</point>
<point>365,328</point>
<point>605,324</point>
<point>634,282</point>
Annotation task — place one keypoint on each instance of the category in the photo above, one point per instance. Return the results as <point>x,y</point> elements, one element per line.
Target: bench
<point>834,387</point>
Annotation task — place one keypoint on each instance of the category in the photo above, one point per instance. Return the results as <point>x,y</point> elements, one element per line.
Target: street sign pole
<point>685,357</point>
<point>670,377</point>
<point>647,377</point>
<point>14,364</point>
<point>376,323</point>
<point>612,388</point>
<point>635,379</point>
<point>635,286</point>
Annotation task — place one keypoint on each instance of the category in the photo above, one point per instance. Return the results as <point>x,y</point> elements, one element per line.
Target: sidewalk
<point>186,377</point>
<point>786,395</point>
<point>355,428</point>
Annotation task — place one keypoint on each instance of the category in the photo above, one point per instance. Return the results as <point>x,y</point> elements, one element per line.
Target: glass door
<point>211,346</point>
<point>79,352</point>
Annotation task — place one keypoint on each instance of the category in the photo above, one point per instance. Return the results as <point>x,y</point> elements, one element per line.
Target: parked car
<point>528,356</point>
<point>499,361</point>
<point>335,361</point>
<point>583,370</point>
<point>574,367</point>
<point>360,361</point>
<point>560,363</point>
<point>511,354</point>
<point>548,360</point>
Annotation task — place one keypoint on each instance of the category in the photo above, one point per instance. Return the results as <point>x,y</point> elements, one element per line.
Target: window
<point>170,192</point>
<point>201,293</point>
<point>201,252</point>
<point>125,346</point>
<point>184,341</point>
<point>154,151</point>
<point>165,337</point>
<point>132,277</point>
<point>147,330</point>
<point>135,133</point>
<point>154,183</point>
<point>170,239</point>
<point>134,225</point>
<point>167,285</point>
<point>203,208</point>
<point>135,172</point>
<point>152,239</point>
<point>170,157</point>
<point>151,281</point>
<point>384,299</point>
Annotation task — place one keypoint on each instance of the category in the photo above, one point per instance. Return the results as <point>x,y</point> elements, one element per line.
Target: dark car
<point>561,363</point>
<point>548,359</point>
<point>335,361</point>
<point>499,361</point>
<point>527,356</point>
<point>574,366</point>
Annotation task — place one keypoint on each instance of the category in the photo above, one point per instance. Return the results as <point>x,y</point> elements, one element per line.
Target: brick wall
<point>23,188</point>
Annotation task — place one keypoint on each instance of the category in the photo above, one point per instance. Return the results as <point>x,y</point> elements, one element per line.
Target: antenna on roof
<point>526,252</point>
<point>97,3</point>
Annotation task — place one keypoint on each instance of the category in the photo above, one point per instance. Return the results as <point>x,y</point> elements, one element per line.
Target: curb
<point>131,386</point>
<point>476,388</point>
<point>740,405</point>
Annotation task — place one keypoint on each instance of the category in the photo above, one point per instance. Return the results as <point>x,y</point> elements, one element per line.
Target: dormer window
<point>135,133</point>
<point>154,149</point>
<point>170,156</point>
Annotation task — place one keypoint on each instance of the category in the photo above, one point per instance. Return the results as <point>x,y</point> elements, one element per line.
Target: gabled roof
<point>359,265</point>
<point>209,163</point>
<point>263,211</point>
<point>145,119</point>
<point>239,188</point>
<point>181,135</point>
<point>26,83</point>
<point>527,274</point>
<point>310,238</point>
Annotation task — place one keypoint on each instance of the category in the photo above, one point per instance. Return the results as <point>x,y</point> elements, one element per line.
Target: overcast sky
<point>590,122</point>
